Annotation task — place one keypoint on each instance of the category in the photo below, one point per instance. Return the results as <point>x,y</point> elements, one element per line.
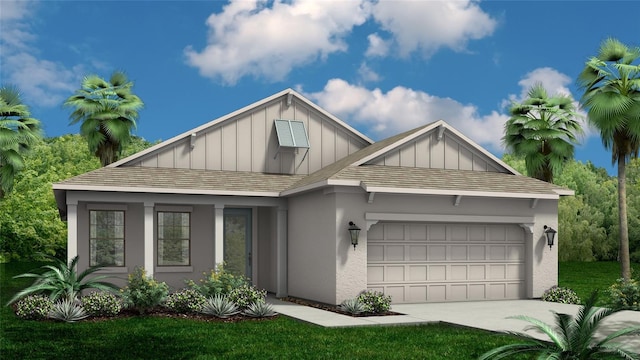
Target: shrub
<point>68,310</point>
<point>185,301</point>
<point>217,282</point>
<point>625,295</point>
<point>61,280</point>
<point>246,294</point>
<point>143,292</point>
<point>101,304</point>
<point>561,295</point>
<point>352,306</point>
<point>260,309</point>
<point>375,301</point>
<point>219,306</point>
<point>34,307</point>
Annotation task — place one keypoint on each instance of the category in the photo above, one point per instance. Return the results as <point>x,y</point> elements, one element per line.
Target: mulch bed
<point>332,308</point>
<point>166,313</point>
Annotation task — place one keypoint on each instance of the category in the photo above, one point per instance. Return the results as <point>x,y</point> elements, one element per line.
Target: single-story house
<point>271,190</point>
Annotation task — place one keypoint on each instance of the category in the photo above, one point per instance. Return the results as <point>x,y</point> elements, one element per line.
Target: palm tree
<point>18,131</point>
<point>571,339</point>
<point>611,84</point>
<point>543,130</point>
<point>108,112</point>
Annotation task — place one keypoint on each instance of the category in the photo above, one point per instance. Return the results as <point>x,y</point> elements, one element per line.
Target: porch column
<point>148,238</point>
<point>219,234</point>
<point>281,253</point>
<point>72,230</point>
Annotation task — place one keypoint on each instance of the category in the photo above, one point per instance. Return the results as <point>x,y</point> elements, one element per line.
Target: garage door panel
<point>446,262</point>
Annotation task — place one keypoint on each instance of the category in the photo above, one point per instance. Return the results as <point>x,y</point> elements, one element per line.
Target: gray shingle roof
<point>198,181</point>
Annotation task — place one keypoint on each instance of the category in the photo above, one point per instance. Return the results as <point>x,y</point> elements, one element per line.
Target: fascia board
<point>163,190</point>
<point>390,190</point>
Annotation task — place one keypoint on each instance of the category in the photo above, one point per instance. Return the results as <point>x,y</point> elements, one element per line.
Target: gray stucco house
<point>270,190</point>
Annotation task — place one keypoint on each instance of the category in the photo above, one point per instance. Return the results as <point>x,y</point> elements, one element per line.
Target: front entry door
<point>237,241</point>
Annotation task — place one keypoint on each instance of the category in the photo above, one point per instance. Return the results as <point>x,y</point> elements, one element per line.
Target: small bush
<point>220,306</point>
<point>185,301</point>
<point>143,292</point>
<point>33,307</point>
<point>260,309</point>
<point>246,294</point>
<point>352,306</point>
<point>217,282</point>
<point>68,310</point>
<point>561,295</point>
<point>625,295</point>
<point>101,304</point>
<point>375,301</point>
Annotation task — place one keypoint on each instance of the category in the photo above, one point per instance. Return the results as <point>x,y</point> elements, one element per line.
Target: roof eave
<point>133,189</point>
<point>416,191</point>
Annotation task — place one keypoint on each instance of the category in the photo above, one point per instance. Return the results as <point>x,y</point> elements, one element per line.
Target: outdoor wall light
<point>354,231</point>
<point>551,234</point>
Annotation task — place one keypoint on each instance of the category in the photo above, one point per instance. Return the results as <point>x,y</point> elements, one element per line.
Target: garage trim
<point>525,222</point>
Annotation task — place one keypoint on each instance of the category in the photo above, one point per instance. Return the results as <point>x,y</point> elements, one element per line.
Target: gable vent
<point>292,133</point>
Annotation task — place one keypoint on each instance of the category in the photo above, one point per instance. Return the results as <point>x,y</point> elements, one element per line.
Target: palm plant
<point>18,131</point>
<point>108,112</point>
<point>62,281</point>
<point>611,84</point>
<point>543,130</point>
<point>571,339</point>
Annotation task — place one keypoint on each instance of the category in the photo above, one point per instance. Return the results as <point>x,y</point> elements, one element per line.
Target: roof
<point>180,181</point>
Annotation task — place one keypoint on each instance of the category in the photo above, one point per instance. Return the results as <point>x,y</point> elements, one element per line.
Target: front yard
<point>155,337</point>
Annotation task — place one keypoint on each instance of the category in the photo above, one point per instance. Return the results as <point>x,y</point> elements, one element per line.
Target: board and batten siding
<point>427,151</point>
<point>248,142</point>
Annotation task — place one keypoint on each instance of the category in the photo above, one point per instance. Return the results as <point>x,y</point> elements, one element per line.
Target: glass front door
<point>237,241</point>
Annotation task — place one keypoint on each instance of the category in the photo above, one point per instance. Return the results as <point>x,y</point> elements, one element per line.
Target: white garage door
<point>425,262</point>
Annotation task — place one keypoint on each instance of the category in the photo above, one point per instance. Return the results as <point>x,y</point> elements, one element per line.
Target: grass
<point>168,338</point>
<point>585,277</point>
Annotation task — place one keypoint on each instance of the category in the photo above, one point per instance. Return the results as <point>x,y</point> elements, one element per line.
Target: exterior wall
<point>312,247</point>
<point>351,265</point>
<point>248,142</point>
<point>427,151</point>
<point>203,230</point>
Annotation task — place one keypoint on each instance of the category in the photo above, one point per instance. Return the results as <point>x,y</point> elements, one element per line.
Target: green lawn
<point>280,338</point>
<point>585,277</point>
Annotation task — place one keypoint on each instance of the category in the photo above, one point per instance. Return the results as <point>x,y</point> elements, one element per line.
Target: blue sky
<point>381,66</point>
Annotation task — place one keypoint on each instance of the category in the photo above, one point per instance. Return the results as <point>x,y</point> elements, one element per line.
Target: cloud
<point>248,38</point>
<point>427,26</point>
<point>367,74</point>
<point>401,108</point>
<point>43,82</point>
<point>377,46</point>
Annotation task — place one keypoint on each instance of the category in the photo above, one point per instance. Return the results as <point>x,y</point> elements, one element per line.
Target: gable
<point>439,148</point>
<point>247,141</point>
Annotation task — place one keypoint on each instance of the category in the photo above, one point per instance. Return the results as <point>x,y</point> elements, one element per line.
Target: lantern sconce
<point>550,233</point>
<point>354,231</point>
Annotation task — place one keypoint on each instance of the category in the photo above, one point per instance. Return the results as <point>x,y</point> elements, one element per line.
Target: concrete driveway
<point>487,315</point>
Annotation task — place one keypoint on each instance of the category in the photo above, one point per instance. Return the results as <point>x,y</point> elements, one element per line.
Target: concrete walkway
<point>487,315</point>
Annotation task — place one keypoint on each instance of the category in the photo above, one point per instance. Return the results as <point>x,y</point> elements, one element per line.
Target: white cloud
<point>427,26</point>
<point>377,46</point>
<point>43,82</point>
<point>401,109</point>
<point>248,38</point>
<point>367,74</point>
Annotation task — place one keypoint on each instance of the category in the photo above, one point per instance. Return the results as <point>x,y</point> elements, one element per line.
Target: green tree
<point>108,112</point>
<point>611,84</point>
<point>543,130</point>
<point>18,131</point>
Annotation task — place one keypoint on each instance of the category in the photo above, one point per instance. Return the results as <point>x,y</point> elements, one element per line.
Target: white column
<point>219,234</point>
<point>148,238</point>
<point>281,253</point>
<point>72,230</point>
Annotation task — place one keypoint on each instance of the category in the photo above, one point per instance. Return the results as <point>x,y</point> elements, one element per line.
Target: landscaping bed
<point>334,308</point>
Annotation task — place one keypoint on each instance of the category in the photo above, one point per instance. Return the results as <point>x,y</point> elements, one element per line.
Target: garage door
<point>425,262</point>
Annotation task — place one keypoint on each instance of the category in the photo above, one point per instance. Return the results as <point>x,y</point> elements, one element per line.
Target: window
<point>173,238</point>
<point>106,238</point>
<point>291,133</point>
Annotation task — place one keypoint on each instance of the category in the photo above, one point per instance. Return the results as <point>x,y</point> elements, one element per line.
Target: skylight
<point>292,133</point>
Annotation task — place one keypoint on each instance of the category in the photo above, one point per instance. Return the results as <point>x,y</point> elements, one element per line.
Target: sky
<point>382,66</point>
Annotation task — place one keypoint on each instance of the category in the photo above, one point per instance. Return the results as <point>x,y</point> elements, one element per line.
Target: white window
<point>174,235</point>
<point>106,238</point>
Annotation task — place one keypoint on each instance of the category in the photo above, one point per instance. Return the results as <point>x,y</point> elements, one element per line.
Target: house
<point>271,190</point>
